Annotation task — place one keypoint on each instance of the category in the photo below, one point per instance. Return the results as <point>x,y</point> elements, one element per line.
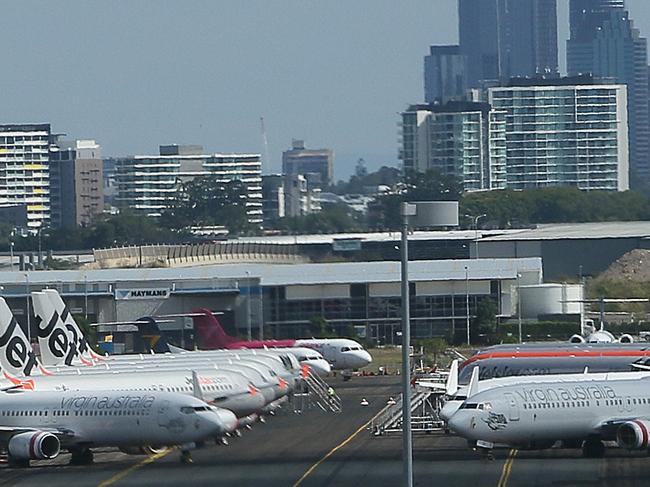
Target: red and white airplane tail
<point>17,358</point>
<point>212,334</point>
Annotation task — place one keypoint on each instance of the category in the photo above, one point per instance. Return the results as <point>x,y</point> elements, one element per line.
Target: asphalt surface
<point>301,450</point>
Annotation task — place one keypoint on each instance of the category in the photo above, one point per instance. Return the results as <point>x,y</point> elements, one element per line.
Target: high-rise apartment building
<point>508,38</point>
<point>605,43</point>
<point>465,140</point>
<point>532,133</point>
<point>25,170</point>
<point>76,183</point>
<point>299,160</point>
<point>445,72</point>
<point>149,184</point>
<point>564,134</point>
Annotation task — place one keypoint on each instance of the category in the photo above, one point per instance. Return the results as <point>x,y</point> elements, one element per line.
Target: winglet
<point>451,387</point>
<point>472,389</point>
<point>196,386</point>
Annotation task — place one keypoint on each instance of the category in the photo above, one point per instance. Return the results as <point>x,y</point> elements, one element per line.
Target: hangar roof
<point>287,274</point>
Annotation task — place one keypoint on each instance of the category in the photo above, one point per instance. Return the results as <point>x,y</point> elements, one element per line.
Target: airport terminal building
<point>283,300</point>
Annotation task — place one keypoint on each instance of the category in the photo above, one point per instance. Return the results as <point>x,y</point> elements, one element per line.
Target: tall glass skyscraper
<point>605,43</point>
<point>508,38</point>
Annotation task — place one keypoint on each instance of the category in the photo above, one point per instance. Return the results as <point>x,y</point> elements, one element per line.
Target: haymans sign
<point>142,293</point>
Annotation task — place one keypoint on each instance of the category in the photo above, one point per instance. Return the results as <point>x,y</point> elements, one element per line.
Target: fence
<point>196,254</point>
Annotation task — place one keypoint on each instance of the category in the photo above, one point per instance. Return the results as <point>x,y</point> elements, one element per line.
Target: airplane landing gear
<point>81,456</point>
<point>593,448</point>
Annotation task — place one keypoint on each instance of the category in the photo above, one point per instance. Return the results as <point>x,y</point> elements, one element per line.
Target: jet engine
<point>34,445</point>
<point>577,339</point>
<point>626,339</point>
<point>633,435</point>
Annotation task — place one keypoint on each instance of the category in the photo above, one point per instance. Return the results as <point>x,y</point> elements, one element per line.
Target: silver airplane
<point>36,425</point>
<point>535,415</point>
<point>458,393</point>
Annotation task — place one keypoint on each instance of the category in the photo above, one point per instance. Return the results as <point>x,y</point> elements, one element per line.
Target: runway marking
<point>120,475</point>
<point>507,468</point>
<point>335,449</point>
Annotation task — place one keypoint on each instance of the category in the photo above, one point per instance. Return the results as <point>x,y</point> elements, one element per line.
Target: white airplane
<point>458,394</point>
<point>226,387</point>
<point>341,353</point>
<point>535,415</point>
<point>36,425</point>
<point>63,343</point>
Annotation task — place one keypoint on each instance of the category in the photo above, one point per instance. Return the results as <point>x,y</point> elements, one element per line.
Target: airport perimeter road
<point>316,449</point>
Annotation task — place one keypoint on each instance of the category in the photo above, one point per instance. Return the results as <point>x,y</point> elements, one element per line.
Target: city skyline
<point>140,76</point>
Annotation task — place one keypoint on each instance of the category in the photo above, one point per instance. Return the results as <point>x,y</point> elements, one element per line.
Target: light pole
<point>467,302</point>
<point>519,306</point>
<point>29,324</point>
<point>85,296</point>
<point>425,214</point>
<point>248,307</point>
<point>407,441</point>
<point>11,249</point>
<point>476,219</point>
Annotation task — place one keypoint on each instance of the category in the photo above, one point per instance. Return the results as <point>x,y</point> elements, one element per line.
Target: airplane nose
<point>226,420</point>
<point>448,410</point>
<point>363,358</point>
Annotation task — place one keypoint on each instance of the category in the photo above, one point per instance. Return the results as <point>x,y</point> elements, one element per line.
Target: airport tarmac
<point>319,449</point>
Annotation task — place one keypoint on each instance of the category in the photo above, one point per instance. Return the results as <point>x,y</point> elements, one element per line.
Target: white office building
<point>24,172</point>
<point>149,184</point>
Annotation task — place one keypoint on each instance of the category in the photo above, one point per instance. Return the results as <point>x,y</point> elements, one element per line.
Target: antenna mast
<point>266,163</point>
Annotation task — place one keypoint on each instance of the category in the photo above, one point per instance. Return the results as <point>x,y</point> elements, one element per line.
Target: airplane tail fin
<point>153,338</point>
<point>56,346</point>
<point>452,379</point>
<point>17,358</point>
<point>472,389</point>
<point>212,333</point>
<point>86,354</point>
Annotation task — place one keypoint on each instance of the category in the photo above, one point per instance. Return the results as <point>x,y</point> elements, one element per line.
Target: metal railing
<point>425,406</point>
<point>316,393</point>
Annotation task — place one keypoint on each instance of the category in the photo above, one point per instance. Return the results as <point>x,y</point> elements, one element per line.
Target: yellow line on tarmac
<point>335,449</point>
<point>120,475</point>
<point>507,468</point>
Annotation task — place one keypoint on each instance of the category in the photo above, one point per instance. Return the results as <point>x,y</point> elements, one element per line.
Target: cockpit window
<point>469,405</point>
<point>194,409</point>
<point>345,349</point>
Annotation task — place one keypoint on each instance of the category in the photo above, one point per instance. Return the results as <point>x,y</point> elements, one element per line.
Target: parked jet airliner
<point>36,425</point>
<point>535,415</point>
<point>341,353</point>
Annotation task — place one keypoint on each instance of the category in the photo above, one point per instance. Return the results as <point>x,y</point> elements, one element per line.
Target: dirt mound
<point>633,266</point>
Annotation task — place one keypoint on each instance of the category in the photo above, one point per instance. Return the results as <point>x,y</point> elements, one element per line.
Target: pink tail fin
<point>212,333</point>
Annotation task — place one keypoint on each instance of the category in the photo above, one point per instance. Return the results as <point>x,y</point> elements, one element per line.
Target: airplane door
<point>162,413</point>
<point>513,407</point>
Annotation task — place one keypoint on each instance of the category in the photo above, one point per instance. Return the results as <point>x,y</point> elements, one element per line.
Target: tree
<point>207,201</point>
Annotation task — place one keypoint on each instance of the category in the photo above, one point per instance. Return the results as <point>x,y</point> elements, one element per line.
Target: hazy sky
<point>134,74</point>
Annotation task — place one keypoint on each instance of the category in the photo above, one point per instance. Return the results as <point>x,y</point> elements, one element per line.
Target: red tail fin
<point>212,333</point>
